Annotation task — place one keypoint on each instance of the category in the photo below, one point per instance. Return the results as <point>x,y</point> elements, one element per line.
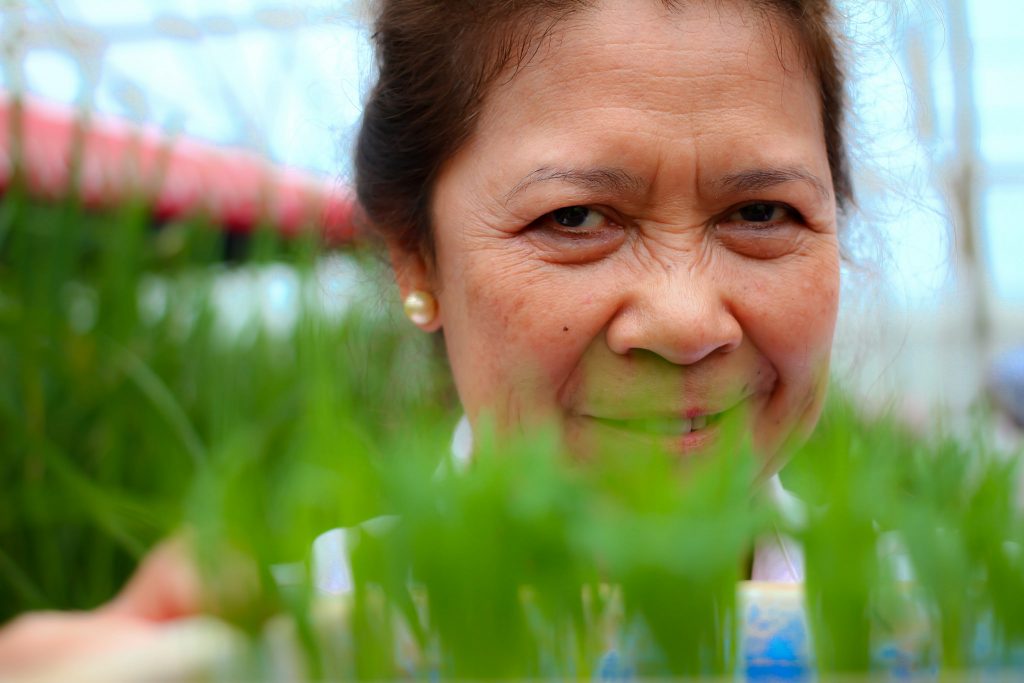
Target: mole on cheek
<point>565,329</point>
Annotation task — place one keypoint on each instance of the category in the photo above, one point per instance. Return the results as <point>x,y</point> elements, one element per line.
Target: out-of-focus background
<point>935,288</point>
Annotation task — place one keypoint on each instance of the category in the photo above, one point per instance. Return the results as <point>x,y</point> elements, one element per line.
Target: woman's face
<point>641,234</point>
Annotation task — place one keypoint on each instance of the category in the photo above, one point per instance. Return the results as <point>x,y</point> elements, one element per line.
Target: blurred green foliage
<point>124,389</point>
<point>132,408</point>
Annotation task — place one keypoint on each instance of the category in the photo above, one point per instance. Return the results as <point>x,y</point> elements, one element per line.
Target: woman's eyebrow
<point>755,179</point>
<point>608,179</point>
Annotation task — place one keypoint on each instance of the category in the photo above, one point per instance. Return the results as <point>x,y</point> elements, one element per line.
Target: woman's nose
<point>682,319</point>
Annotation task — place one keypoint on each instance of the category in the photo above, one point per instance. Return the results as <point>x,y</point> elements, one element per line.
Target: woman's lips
<point>660,426</point>
<point>683,435</point>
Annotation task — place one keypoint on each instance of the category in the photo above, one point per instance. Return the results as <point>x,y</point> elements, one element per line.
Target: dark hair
<point>436,60</point>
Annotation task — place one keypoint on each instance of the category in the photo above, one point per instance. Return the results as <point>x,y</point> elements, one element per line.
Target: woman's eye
<point>761,230</point>
<point>760,212</point>
<point>576,234</point>
<point>578,218</point>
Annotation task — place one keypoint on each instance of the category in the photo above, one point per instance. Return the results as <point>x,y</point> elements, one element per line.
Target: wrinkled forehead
<point>642,80</point>
<point>620,48</point>
<point>590,29</point>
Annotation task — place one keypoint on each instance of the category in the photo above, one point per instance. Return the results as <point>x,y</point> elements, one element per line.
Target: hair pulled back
<point>437,59</point>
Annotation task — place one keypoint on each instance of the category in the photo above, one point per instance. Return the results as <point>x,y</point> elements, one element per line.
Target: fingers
<point>42,639</point>
<point>166,585</point>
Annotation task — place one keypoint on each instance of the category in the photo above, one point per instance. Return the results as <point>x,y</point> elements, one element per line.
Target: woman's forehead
<point>638,50</point>
<point>640,47</point>
<point>631,85</point>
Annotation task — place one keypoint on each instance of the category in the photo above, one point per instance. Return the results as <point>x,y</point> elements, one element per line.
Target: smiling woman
<point>627,212</point>
<point>623,217</point>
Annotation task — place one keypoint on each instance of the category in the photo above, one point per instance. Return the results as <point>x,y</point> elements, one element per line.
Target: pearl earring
<point>420,307</point>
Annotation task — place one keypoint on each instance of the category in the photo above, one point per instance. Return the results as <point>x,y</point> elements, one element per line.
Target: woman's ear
<point>415,286</point>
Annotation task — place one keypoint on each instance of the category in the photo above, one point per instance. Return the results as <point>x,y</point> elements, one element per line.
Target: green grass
<point>122,392</point>
<point>128,412</point>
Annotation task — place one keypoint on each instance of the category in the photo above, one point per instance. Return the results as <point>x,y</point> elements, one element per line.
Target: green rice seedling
<point>124,390</point>
<point>675,542</point>
<point>849,481</point>
<point>910,533</point>
<point>932,527</point>
<point>79,402</point>
<point>489,554</point>
<point>528,565</point>
<point>961,526</point>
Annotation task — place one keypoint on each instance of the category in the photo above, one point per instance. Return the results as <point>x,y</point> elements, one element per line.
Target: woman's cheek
<point>788,308</point>
<point>562,328</point>
<point>788,311</point>
<point>515,338</point>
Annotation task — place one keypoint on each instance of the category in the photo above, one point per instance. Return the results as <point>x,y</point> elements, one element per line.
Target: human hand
<point>165,587</point>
